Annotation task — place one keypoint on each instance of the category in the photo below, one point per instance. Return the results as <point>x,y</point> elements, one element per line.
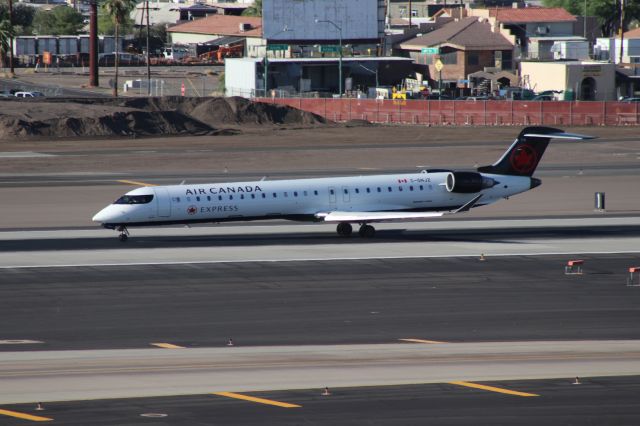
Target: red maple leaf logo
<point>192,210</point>
<point>524,159</point>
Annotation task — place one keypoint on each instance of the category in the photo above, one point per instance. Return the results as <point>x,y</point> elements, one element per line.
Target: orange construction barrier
<point>574,267</point>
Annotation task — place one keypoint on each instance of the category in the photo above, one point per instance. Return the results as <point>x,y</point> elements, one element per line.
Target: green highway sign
<point>273,47</point>
<point>430,50</point>
<point>329,49</point>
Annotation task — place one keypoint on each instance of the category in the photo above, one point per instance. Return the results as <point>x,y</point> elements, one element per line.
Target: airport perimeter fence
<point>470,113</point>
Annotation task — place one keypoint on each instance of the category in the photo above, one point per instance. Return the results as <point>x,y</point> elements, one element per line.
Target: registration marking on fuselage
<point>258,400</point>
<point>24,416</point>
<point>431,342</point>
<point>135,182</point>
<point>167,346</point>
<point>493,389</point>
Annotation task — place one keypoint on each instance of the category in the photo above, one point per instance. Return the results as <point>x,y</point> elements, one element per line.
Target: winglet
<point>469,205</point>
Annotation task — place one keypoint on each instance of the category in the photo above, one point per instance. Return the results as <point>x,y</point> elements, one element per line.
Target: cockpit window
<point>134,199</point>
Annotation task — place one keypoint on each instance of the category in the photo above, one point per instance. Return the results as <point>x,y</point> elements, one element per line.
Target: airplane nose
<point>99,217</point>
<point>104,215</point>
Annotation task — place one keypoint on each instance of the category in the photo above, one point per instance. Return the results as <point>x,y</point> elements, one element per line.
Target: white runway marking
<point>25,154</point>
<point>19,342</point>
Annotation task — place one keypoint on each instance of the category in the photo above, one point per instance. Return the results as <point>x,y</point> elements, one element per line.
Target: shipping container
<point>24,45</point>
<point>47,44</point>
<point>67,45</point>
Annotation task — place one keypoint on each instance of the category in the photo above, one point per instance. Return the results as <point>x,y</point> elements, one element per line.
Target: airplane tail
<point>523,156</point>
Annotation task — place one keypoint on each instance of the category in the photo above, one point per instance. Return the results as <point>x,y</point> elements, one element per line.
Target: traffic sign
<point>430,50</point>
<point>439,65</point>
<point>330,49</point>
<point>274,47</point>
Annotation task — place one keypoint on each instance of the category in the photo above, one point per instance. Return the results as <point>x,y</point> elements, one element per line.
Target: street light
<point>340,43</point>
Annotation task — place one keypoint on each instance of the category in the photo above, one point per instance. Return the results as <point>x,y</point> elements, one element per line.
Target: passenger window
<point>231,197</point>
<point>264,195</point>
<point>286,194</point>
<point>389,189</point>
<point>357,191</point>
<point>411,188</point>
<point>379,189</point>
<point>315,192</point>
<point>275,195</point>
<point>331,192</point>
<point>368,190</point>
<point>346,191</point>
<point>197,198</point>
<point>219,197</point>
<point>304,193</point>
<point>242,196</point>
<point>295,194</point>
<point>188,198</point>
<point>400,188</point>
<point>208,198</point>
<point>421,188</point>
<point>253,196</point>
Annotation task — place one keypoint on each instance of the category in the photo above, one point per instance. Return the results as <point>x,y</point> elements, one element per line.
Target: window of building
<point>473,58</point>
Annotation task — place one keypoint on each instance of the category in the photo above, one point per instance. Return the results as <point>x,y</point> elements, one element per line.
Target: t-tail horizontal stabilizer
<point>523,156</point>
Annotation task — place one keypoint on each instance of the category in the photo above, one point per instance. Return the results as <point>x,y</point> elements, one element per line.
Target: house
<point>464,47</point>
<point>218,27</point>
<point>535,28</point>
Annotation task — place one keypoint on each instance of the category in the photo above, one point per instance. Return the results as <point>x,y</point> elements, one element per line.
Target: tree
<point>607,12</point>
<point>254,10</point>
<point>119,11</point>
<point>6,34</point>
<point>61,20</point>
<point>22,17</point>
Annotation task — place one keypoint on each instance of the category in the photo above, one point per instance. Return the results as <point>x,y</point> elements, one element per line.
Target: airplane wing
<point>342,216</point>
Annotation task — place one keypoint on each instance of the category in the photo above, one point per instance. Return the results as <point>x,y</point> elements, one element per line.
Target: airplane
<point>412,196</point>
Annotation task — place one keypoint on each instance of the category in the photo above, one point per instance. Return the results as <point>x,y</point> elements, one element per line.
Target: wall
<point>467,113</point>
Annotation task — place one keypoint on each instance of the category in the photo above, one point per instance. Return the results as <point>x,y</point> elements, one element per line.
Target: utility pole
<point>148,63</point>
<point>585,18</point>
<point>11,68</point>
<point>621,30</point>
<point>93,45</point>
<point>410,12</point>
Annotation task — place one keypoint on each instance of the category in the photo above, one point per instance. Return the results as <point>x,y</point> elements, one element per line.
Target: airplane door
<point>346,195</point>
<point>164,202</point>
<point>332,196</point>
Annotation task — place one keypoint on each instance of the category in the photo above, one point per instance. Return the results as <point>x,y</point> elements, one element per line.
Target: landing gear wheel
<point>367,231</point>
<point>344,229</point>
<point>124,233</point>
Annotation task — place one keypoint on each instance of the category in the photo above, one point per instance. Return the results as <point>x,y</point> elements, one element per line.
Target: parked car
<point>543,98</point>
<point>28,94</point>
<point>630,99</point>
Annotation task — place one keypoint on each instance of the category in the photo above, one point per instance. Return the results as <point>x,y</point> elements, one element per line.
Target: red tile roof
<point>531,14</point>
<point>227,25</point>
<point>632,33</point>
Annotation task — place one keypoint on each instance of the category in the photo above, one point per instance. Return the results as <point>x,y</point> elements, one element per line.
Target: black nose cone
<point>535,182</point>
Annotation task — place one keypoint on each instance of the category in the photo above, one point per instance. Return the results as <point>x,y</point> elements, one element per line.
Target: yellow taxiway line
<point>167,346</point>
<point>258,400</point>
<point>432,342</point>
<point>493,389</point>
<point>24,416</point>
<point>135,182</point>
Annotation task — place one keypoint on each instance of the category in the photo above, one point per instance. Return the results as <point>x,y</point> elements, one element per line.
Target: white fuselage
<point>300,199</point>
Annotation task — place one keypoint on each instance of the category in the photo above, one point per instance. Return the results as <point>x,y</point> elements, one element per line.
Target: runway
<point>388,324</point>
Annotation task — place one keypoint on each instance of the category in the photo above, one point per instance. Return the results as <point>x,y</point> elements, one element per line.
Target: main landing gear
<point>366,231</point>
<point>124,233</point>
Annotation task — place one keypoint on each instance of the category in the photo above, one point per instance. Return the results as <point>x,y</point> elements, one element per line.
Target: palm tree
<point>118,10</point>
<point>7,33</point>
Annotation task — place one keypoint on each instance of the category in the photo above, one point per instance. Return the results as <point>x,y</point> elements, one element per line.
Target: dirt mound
<point>86,117</point>
<point>242,111</point>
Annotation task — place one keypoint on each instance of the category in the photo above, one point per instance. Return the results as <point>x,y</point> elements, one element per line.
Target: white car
<point>28,94</point>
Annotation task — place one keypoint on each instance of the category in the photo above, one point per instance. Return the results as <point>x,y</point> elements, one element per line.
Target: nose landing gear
<point>124,233</point>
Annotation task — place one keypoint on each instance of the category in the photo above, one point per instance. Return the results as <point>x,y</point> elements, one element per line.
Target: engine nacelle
<point>468,182</point>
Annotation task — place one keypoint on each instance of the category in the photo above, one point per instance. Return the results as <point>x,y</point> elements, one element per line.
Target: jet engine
<point>468,182</point>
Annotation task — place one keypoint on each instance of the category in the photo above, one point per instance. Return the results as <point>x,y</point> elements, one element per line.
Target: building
<point>580,80</point>
<point>608,49</point>
<point>313,77</point>
<point>218,28</point>
<point>535,28</point>
<point>464,47</point>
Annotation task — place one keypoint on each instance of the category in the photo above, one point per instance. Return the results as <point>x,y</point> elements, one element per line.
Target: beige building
<point>586,81</point>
